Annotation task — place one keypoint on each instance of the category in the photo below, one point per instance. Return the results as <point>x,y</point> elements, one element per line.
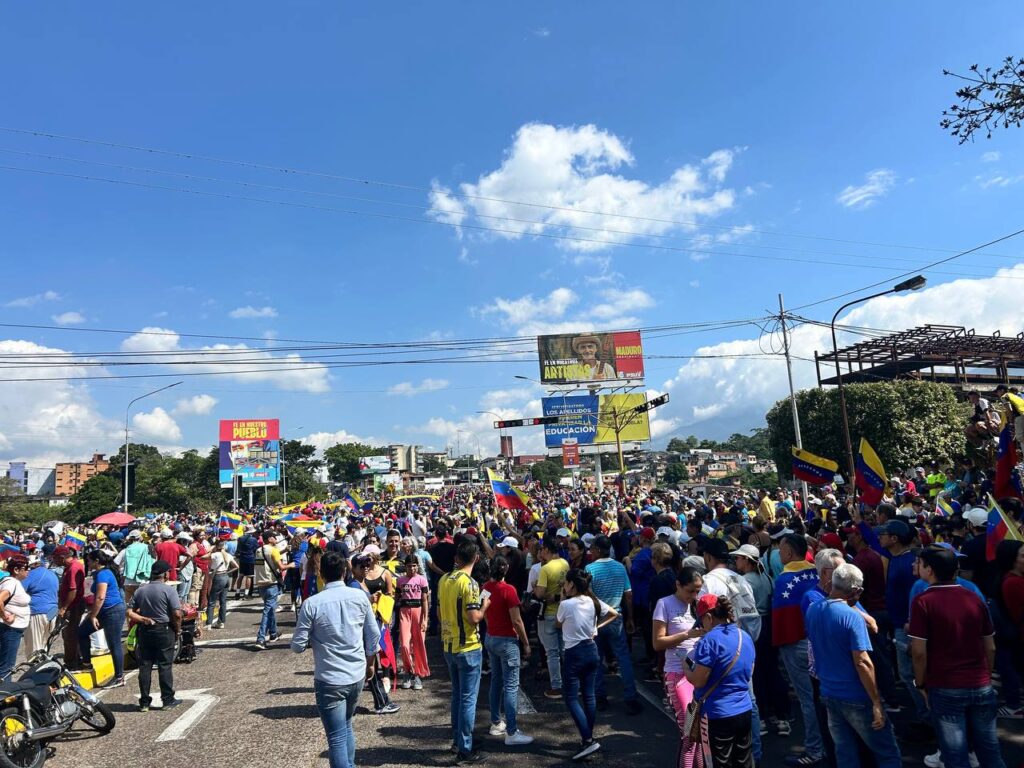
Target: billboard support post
<point>126,411</point>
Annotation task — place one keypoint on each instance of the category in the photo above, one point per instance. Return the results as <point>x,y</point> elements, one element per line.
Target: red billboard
<point>574,358</point>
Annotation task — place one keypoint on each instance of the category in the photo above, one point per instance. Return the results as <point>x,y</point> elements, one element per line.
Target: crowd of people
<point>741,605</point>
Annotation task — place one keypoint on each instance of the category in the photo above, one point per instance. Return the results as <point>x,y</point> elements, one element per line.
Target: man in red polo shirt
<point>70,600</point>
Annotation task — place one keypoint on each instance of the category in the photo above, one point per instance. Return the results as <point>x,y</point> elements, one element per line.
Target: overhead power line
<point>453,193</point>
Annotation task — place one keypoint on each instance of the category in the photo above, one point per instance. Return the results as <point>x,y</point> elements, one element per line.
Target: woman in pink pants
<point>676,631</point>
<point>413,613</point>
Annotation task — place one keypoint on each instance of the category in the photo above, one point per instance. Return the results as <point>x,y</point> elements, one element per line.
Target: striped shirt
<point>610,581</point>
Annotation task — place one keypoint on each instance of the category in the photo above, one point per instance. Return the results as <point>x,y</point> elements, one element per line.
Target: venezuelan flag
<point>6,550</point>
<point>353,501</point>
<point>942,507</point>
<point>813,469</point>
<point>294,526</point>
<point>999,527</point>
<point>75,540</point>
<point>871,477</point>
<point>504,495</point>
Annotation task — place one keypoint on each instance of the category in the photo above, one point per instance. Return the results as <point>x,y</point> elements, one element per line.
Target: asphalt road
<point>250,707</point>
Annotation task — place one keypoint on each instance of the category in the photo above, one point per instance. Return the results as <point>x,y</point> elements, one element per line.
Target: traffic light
<point>526,422</point>
<point>655,403</point>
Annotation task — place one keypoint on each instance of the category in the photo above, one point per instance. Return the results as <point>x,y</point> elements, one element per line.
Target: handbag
<point>691,726</point>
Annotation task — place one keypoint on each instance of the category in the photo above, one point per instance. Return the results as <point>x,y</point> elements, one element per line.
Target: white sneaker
<point>518,739</point>
<point>497,729</point>
<point>935,760</point>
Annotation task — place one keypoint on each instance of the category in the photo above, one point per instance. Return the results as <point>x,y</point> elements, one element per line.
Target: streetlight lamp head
<point>524,378</point>
<point>912,284</point>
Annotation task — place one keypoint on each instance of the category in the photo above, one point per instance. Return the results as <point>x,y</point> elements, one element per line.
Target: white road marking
<point>127,677</point>
<point>236,640</point>
<point>523,704</point>
<point>181,727</point>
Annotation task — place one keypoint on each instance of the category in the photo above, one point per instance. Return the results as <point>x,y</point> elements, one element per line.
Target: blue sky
<point>751,122</point>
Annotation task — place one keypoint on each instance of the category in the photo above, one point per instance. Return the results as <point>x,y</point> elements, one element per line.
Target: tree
<point>906,422</point>
<point>547,472</point>
<point>299,454</point>
<point>343,460</point>
<point>433,465</point>
<point>991,98</point>
<point>98,495</point>
<point>676,473</point>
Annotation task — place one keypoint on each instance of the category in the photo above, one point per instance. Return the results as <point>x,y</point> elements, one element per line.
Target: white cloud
<point>606,308</point>
<point>877,184</point>
<point>250,313</point>
<point>574,171</point>
<point>31,301</point>
<point>465,258</point>
<point>157,425</point>
<point>296,374</point>
<point>68,318</point>
<point>695,283</point>
<point>990,157</point>
<point>324,440</point>
<point>48,421</point>
<point>728,395</point>
<point>541,32</point>
<point>408,389</point>
<point>998,180</point>
<point>198,405</point>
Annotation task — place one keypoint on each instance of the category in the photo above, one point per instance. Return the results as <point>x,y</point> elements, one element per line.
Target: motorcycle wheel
<point>101,719</point>
<point>29,754</point>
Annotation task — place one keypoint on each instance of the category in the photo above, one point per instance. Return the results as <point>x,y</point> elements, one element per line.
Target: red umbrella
<point>114,518</point>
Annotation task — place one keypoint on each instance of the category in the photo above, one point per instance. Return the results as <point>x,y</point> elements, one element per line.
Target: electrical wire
<point>463,195</point>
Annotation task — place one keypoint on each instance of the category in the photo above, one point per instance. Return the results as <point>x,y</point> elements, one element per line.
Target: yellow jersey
<point>458,593</point>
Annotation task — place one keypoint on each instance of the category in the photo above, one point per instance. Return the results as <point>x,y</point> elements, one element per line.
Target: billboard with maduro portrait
<point>574,358</point>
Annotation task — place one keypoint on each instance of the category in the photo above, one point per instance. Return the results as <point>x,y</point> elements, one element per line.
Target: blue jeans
<point>504,692</point>
<point>905,667</point>
<point>337,706</point>
<point>580,681</point>
<point>268,621</point>
<point>10,640</point>
<point>794,659</point>
<point>611,641</point>
<point>464,670</point>
<point>111,624</point>
<point>962,716</point>
<point>849,719</point>
<point>755,725</point>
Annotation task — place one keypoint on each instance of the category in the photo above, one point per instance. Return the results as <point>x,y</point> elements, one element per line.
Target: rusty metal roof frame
<point>968,360</point>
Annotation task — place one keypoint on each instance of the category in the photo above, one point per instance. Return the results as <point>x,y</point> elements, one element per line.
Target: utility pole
<point>792,393</point>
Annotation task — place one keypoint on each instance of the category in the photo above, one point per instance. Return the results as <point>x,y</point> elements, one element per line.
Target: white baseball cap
<point>509,541</point>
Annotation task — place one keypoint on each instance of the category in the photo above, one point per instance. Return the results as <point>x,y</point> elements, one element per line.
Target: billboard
<point>374,465</point>
<point>572,358</point>
<point>589,419</point>
<point>250,448</point>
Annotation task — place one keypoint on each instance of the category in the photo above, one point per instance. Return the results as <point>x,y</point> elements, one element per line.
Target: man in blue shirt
<point>338,624</point>
<point>246,555</point>
<point>41,585</point>
<point>611,585</point>
<point>839,639</point>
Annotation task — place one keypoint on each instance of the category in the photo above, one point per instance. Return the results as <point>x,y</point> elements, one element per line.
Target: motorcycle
<point>43,703</point>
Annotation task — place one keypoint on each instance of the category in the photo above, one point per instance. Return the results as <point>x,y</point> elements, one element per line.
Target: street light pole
<point>912,284</point>
<point>126,412</point>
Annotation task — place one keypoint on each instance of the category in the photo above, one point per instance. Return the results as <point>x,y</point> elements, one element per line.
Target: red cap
<point>707,603</point>
<point>471,531</point>
<point>832,540</point>
<point>647,533</point>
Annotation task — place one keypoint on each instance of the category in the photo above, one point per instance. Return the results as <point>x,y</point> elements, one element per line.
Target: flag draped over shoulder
<point>505,496</point>
<point>871,477</point>
<point>790,587</point>
<point>999,527</point>
<point>813,469</point>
